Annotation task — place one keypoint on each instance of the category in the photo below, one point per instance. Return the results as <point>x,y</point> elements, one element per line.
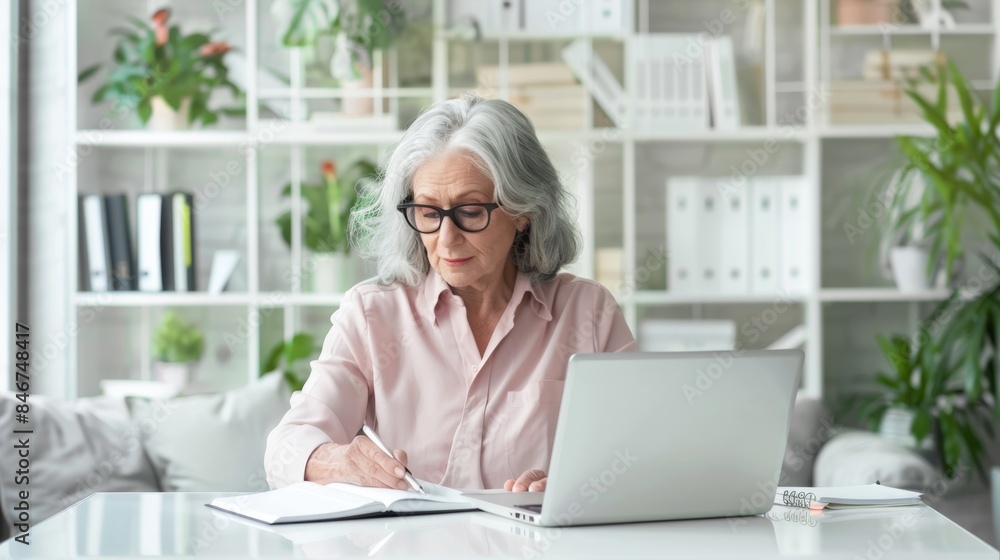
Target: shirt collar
<point>435,286</point>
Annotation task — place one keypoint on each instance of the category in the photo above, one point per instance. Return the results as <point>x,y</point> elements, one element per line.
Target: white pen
<point>408,476</point>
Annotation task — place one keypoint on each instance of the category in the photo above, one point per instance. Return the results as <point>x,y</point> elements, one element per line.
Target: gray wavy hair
<point>502,144</point>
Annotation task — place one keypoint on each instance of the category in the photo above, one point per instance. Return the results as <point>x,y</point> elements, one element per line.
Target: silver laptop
<point>657,436</point>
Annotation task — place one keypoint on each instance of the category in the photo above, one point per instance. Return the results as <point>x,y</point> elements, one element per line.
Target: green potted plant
<point>357,27</point>
<point>165,76</point>
<point>944,387</point>
<point>286,357</point>
<point>944,182</point>
<point>177,348</point>
<point>326,215</point>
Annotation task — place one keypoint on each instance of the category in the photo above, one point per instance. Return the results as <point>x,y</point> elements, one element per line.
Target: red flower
<point>329,169</point>
<point>215,48</point>
<point>160,26</point>
<point>160,17</point>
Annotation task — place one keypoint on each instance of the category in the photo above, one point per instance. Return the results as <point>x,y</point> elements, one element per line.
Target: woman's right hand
<point>360,462</point>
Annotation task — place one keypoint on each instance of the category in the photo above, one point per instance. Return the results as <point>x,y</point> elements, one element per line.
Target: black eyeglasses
<point>468,217</point>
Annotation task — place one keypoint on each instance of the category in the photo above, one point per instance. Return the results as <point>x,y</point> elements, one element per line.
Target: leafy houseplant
<point>329,207</point>
<point>947,179</point>
<point>948,379</point>
<point>177,346</point>
<point>290,352</point>
<point>158,70</point>
<point>359,27</point>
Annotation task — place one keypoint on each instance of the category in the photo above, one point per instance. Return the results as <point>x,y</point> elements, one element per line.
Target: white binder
<point>709,239</point>
<point>793,235</point>
<point>608,16</point>
<point>95,229</point>
<point>764,220</point>
<point>734,205</point>
<point>683,194</point>
<point>149,210</point>
<point>722,78</point>
<point>671,86</point>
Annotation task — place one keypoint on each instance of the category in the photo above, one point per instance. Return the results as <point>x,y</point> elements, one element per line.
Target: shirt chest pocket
<point>531,425</point>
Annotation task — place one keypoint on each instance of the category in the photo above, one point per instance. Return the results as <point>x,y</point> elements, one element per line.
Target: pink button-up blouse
<point>404,360</point>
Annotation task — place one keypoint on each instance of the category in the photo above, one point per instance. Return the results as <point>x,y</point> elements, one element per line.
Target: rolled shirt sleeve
<point>331,406</point>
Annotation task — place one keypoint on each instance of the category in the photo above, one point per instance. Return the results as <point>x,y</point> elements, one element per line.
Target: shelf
<point>751,133</point>
<point>167,299</point>
<point>889,29</point>
<point>668,298</point>
<point>150,138</point>
<point>875,131</point>
<point>861,295</point>
<point>336,93</point>
<point>453,35</point>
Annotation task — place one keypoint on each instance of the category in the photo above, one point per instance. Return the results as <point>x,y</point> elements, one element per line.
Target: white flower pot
<point>333,272</point>
<point>176,374</point>
<point>909,268</point>
<point>165,118</point>
<point>358,103</point>
<point>895,427</point>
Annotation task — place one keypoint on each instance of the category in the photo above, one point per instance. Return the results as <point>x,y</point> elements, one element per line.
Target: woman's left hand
<point>531,481</point>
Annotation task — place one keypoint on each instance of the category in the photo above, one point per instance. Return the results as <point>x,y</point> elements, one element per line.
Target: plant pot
<point>333,272</point>
<point>895,427</point>
<point>909,268</point>
<point>175,374</point>
<point>866,12</point>
<point>165,118</point>
<point>355,103</point>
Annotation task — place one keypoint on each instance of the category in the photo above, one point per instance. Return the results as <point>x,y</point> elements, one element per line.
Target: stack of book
<point>880,97</point>
<point>737,240</point>
<point>163,259</point>
<point>547,93</point>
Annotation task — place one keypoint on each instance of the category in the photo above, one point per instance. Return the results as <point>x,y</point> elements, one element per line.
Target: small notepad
<point>844,496</point>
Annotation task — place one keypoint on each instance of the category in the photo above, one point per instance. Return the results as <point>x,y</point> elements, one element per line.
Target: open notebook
<point>845,496</point>
<point>308,501</point>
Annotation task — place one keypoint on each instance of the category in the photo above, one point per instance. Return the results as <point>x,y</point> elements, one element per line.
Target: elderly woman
<point>458,353</point>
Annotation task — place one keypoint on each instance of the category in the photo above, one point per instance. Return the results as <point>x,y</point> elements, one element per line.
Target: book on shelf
<point>122,265</point>
<point>95,251</point>
<point>183,242</point>
<point>898,64</point>
<point>884,102</point>
<point>309,501</point>
<point>547,93</point>
<point>725,100</point>
<point>835,497</point>
<point>164,256</point>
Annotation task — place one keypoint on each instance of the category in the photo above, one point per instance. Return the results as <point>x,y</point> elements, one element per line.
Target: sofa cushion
<point>811,426</point>
<point>76,448</point>
<point>207,443</point>
<point>856,457</point>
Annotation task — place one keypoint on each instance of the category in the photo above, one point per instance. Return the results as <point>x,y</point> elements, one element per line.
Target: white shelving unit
<point>813,138</point>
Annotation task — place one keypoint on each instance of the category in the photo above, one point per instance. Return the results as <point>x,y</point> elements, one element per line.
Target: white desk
<point>179,525</point>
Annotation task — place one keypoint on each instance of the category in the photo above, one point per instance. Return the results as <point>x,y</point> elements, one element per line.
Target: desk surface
<point>179,525</point>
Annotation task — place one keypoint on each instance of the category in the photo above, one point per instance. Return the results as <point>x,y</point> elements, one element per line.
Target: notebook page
<point>301,501</point>
<point>871,494</point>
<point>435,497</point>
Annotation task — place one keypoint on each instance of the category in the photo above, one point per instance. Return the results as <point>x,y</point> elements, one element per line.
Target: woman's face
<point>463,259</point>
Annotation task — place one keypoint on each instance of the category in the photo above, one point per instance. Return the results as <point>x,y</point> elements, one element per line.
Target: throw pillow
<point>212,443</point>
<point>856,457</point>
<point>76,448</point>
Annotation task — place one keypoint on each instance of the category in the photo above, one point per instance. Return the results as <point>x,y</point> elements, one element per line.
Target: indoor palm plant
<point>325,219</point>
<point>177,348</point>
<point>944,380</point>
<point>357,28</point>
<point>945,181</point>
<point>167,78</point>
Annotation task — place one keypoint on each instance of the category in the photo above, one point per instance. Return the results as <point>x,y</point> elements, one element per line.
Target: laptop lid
<point>658,436</point>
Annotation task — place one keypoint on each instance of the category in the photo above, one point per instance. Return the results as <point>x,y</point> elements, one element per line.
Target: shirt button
<point>475,369</point>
